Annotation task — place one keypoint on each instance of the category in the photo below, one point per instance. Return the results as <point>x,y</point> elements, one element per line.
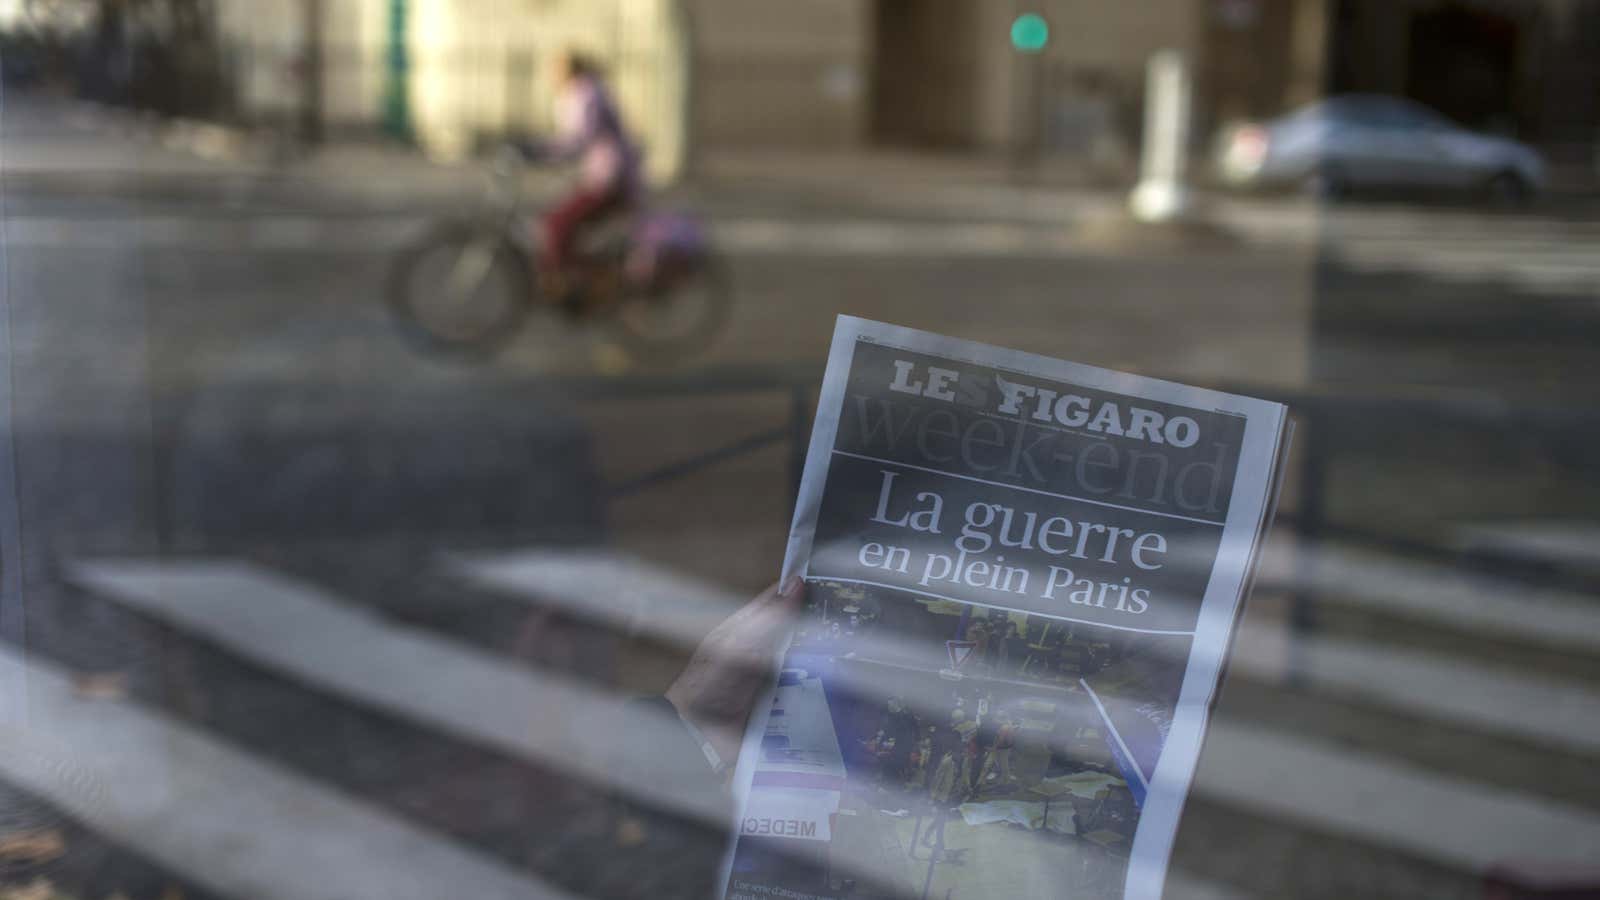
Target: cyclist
<point>589,131</point>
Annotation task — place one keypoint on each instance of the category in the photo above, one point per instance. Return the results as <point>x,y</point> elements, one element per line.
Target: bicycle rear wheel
<point>676,320</point>
<point>462,289</point>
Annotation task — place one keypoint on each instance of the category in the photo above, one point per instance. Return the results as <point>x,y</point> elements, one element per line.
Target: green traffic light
<point>1030,32</point>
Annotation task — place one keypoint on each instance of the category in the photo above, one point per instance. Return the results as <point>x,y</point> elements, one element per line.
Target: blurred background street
<point>296,609</point>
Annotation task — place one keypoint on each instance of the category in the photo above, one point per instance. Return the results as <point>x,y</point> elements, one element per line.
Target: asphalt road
<point>201,372</point>
<point>140,318</point>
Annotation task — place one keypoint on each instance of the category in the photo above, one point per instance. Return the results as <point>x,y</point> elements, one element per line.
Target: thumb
<point>775,610</point>
<point>790,592</point>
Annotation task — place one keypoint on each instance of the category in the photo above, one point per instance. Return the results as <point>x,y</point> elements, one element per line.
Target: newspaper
<point>1023,577</point>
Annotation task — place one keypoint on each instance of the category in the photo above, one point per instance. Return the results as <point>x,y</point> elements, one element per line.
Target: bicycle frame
<point>505,201</point>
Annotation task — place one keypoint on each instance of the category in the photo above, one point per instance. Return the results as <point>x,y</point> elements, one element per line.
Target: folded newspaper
<point>1024,575</point>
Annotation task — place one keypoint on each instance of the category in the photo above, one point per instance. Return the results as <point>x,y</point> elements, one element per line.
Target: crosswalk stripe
<point>1464,824</point>
<point>302,232</point>
<point>868,238</point>
<point>1552,276</point>
<point>1182,886</point>
<point>1542,278</point>
<point>1468,262</point>
<point>383,233</point>
<point>1485,252</point>
<point>298,630</point>
<point>1488,231</point>
<point>1538,254</point>
<point>235,824</point>
<point>625,592</point>
<point>643,598</point>
<point>265,233</point>
<point>1377,219</point>
<point>1563,543</point>
<point>1438,688</point>
<point>1498,608</point>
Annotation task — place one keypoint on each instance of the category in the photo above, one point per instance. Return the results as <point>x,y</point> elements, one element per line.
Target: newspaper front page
<point>1023,576</point>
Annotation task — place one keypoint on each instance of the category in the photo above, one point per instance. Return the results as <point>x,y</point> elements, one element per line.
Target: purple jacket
<point>589,130</point>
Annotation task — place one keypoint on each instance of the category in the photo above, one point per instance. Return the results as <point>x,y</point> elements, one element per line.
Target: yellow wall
<point>476,66</point>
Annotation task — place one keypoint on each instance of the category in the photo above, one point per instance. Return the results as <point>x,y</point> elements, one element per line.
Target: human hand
<point>730,669</point>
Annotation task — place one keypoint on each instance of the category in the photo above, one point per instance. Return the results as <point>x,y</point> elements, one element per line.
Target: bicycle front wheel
<point>462,289</point>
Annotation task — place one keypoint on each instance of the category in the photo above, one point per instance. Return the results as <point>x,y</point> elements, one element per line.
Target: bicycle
<point>650,277</point>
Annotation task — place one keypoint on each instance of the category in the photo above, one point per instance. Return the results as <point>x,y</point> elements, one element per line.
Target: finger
<point>790,591</point>
<point>768,612</point>
<point>754,606</point>
<point>778,614</point>
<point>781,596</point>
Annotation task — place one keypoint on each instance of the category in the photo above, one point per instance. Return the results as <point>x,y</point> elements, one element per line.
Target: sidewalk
<point>62,146</point>
<point>938,184</point>
<point>66,146</point>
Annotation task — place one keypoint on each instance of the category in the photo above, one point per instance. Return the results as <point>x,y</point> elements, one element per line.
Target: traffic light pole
<point>311,72</point>
<point>1029,35</point>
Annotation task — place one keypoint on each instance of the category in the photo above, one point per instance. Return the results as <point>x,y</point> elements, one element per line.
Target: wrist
<point>719,755</point>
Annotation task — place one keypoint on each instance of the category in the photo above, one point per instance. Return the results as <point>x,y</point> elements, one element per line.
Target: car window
<point>1381,112</point>
<point>1363,111</point>
<point>1413,115</point>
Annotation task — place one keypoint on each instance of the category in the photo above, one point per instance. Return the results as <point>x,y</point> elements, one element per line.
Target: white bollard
<point>1162,194</point>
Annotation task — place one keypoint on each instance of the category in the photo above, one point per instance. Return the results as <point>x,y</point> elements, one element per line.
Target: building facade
<point>447,73</point>
<point>715,74</point>
<point>837,74</point>
<point>945,74</point>
<point>1525,68</point>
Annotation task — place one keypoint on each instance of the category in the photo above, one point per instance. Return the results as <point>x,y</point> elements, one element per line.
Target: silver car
<point>1362,141</point>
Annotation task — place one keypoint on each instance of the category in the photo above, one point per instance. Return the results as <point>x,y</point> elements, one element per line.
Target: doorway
<point>925,72</point>
<point>1463,63</point>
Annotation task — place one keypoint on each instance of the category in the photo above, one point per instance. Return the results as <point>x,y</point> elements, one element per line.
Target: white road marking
<point>1543,254</point>
<point>1567,543</point>
<point>1181,886</point>
<point>1498,608</point>
<point>237,825</point>
<point>334,234</point>
<point>1537,252</point>
<point>382,233</point>
<point>639,597</point>
<point>1464,824</point>
<point>298,630</point>
<point>1438,688</point>
<point>623,591</point>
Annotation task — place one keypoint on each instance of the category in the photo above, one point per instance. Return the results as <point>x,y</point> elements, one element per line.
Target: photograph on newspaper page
<point>1023,576</point>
